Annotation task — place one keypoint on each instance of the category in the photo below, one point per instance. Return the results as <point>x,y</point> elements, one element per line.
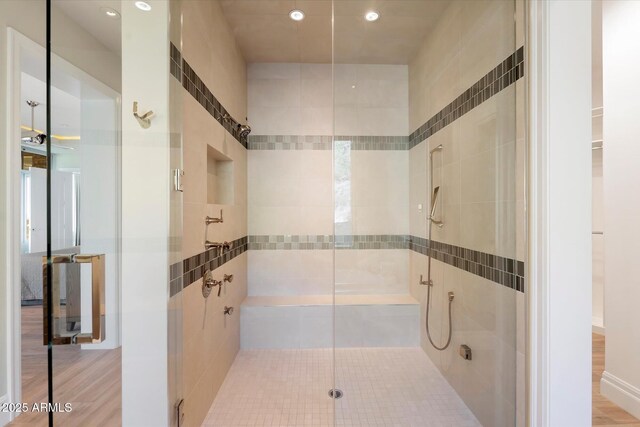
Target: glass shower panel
<point>429,212</point>
<point>85,186</point>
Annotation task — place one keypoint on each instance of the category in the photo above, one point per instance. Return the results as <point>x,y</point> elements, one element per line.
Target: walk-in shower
<point>377,187</point>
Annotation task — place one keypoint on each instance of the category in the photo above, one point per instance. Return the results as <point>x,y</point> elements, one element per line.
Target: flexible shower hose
<point>427,321</point>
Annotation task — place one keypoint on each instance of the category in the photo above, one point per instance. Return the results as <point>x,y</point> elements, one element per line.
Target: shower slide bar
<point>429,282</point>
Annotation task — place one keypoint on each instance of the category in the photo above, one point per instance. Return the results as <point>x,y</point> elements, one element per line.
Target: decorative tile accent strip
<point>325,142</point>
<point>326,241</point>
<point>372,241</point>
<point>201,93</point>
<point>175,63</point>
<point>505,74</point>
<point>291,242</point>
<point>193,268</point>
<point>505,271</point>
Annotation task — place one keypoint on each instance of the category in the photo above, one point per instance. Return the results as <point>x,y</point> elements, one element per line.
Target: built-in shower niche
<point>220,190</point>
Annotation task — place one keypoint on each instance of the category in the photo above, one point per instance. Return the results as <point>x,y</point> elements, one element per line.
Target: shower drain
<point>335,393</point>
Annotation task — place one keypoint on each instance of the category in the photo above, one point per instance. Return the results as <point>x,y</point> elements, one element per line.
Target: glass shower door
<point>97,56</point>
<point>81,272</point>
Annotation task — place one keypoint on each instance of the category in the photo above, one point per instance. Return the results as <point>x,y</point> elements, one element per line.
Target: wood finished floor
<point>89,379</point>
<point>605,413</point>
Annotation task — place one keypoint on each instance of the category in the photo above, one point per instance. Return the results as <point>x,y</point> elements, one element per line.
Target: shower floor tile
<point>382,387</point>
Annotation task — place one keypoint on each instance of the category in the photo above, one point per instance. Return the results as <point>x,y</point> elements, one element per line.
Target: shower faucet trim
<point>217,245</point>
<point>213,220</point>
<point>208,283</point>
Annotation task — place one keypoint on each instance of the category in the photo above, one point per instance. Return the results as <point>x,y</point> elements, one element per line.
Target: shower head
<point>434,201</point>
<point>244,131</point>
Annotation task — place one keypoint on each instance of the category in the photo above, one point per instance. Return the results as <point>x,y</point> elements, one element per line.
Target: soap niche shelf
<point>220,190</point>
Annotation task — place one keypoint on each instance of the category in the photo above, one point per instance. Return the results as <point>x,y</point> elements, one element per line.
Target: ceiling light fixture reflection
<point>111,13</point>
<point>143,6</point>
<point>58,137</point>
<point>296,15</point>
<point>371,16</point>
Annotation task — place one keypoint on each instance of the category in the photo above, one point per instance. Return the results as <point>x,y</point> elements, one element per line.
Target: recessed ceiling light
<point>111,13</point>
<point>143,6</point>
<point>371,16</point>
<point>296,15</point>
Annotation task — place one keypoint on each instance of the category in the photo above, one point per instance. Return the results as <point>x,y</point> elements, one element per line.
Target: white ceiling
<point>265,33</point>
<point>88,15</point>
<point>65,117</point>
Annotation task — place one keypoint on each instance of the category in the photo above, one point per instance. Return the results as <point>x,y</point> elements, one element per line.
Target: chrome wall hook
<point>145,119</point>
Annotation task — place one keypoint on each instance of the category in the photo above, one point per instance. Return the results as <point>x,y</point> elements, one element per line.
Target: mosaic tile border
<point>182,71</point>
<point>504,75</point>
<point>190,270</point>
<point>325,142</point>
<point>508,272</point>
<point>326,241</point>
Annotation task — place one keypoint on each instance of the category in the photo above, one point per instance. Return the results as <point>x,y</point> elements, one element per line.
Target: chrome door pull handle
<point>59,316</point>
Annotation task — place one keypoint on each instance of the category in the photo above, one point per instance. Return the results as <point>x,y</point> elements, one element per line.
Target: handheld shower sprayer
<point>434,201</point>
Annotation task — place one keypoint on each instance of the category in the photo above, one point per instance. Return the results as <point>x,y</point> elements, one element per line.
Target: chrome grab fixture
<point>208,282</point>
<point>228,310</point>
<point>145,119</point>
<point>212,220</point>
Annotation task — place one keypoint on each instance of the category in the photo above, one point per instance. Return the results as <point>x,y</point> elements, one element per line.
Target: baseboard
<point>597,326</point>
<point>621,393</point>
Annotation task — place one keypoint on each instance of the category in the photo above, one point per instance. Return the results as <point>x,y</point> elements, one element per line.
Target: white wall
<point>597,191</point>
<point>559,211</point>
<point>145,214</point>
<point>621,67</point>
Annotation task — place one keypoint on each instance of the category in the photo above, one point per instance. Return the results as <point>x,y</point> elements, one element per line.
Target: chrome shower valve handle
<point>208,283</point>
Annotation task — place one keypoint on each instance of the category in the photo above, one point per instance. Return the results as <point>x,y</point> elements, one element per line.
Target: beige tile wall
<point>210,339</point>
<point>481,175</point>
<point>292,192</point>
